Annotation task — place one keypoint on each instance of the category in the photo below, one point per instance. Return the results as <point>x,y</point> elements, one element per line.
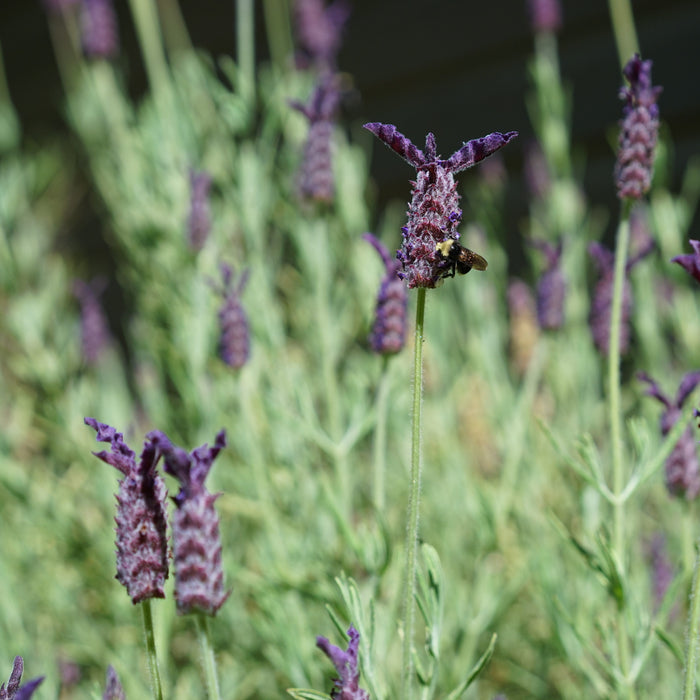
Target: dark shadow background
<point>458,69</point>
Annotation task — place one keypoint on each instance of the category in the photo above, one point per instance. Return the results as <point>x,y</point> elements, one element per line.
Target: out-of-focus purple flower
<point>347,686</point>
<point>69,673</point>
<point>94,328</point>
<point>434,213</point>
<point>638,130</point>
<point>234,342</point>
<point>388,334</point>
<point>545,15</point>
<point>682,470</point>
<point>661,569</point>
<point>113,687</point>
<point>523,326</point>
<point>551,289</point>
<point>601,304</point>
<point>691,261</point>
<point>319,29</point>
<point>13,691</point>
<point>315,179</point>
<point>537,176</point>
<point>142,543</point>
<point>199,217</point>
<point>199,576</point>
<point>99,29</point>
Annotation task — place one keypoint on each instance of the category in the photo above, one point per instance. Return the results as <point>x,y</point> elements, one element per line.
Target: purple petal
<point>398,143</point>
<point>476,150</point>
<point>688,383</point>
<point>654,389</point>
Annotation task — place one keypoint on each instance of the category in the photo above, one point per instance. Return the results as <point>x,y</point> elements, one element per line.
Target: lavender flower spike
<point>434,213</point>
<point>113,686</point>
<point>199,576</point>
<point>690,262</point>
<point>388,334</point>
<point>234,342</point>
<point>682,468</point>
<point>100,33</point>
<point>347,687</point>
<point>639,130</point>
<point>551,289</point>
<point>142,543</point>
<point>13,691</point>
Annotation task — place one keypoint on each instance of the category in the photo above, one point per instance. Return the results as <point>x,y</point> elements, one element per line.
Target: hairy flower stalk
<point>234,341</point>
<point>638,132</point>
<point>551,288</point>
<point>388,334</point>
<point>682,468</point>
<point>315,178</point>
<point>199,576</point>
<point>347,685</point>
<point>13,690</point>
<point>142,545</point>
<point>434,213</point>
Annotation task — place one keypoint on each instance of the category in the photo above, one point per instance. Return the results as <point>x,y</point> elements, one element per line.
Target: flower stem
<point>245,38</point>
<point>151,649</point>
<point>413,503</point>
<point>615,413</point>
<point>208,660</point>
<point>622,19</point>
<point>691,636</point>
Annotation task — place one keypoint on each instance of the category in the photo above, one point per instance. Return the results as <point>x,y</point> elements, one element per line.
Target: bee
<point>461,259</point>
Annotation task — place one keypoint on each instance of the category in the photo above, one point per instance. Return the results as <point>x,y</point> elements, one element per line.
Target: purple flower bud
<point>315,180</point>
<point>142,543</point>
<point>537,176</point>
<point>199,218</point>
<point>199,576</point>
<point>639,130</point>
<point>347,687</point>
<point>100,33</point>
<point>601,304</point>
<point>234,342</point>
<point>661,569</point>
<point>94,328</point>
<point>434,213</point>
<point>388,334</point>
<point>319,29</point>
<point>690,262</point>
<point>113,688</point>
<point>12,690</point>
<point>682,470</point>
<point>551,289</point>
<point>545,15</point>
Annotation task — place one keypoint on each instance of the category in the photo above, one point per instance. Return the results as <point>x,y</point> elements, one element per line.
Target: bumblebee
<point>461,259</point>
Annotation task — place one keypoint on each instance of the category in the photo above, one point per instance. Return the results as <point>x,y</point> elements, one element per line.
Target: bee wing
<point>474,260</point>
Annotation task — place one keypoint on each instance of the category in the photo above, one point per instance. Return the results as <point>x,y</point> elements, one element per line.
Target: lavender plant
<point>315,421</point>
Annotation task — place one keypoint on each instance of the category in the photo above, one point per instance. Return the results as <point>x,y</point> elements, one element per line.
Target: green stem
<point>622,19</point>
<point>151,649</point>
<point>245,39</point>
<point>279,32</point>
<point>615,414</point>
<point>208,659</point>
<point>148,30</point>
<point>413,503</point>
<point>691,635</point>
